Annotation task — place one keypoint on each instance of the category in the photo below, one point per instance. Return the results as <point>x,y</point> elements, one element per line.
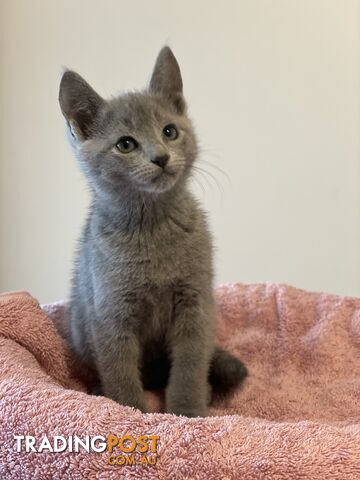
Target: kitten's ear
<point>79,103</point>
<point>166,79</point>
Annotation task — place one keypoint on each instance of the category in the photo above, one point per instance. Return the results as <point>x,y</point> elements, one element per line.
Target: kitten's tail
<point>226,372</point>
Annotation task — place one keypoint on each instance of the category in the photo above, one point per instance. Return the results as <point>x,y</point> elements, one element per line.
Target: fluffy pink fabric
<point>296,416</point>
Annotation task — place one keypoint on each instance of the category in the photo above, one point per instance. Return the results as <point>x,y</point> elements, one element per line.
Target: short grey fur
<point>142,309</point>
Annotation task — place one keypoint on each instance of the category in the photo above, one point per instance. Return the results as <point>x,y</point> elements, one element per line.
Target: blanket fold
<point>296,416</point>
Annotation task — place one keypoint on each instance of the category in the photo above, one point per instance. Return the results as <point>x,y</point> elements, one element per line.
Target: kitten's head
<point>142,141</point>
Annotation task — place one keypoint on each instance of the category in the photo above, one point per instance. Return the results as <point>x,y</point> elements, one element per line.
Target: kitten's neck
<point>133,210</point>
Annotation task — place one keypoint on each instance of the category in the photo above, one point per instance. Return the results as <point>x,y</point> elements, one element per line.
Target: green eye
<point>170,132</point>
<point>126,144</point>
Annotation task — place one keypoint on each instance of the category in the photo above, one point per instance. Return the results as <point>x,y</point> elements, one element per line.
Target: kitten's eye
<point>126,144</point>
<point>170,132</point>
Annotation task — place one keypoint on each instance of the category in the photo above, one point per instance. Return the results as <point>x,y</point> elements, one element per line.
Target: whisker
<point>195,179</point>
<point>201,172</point>
<point>214,179</point>
<point>218,169</point>
<point>203,151</point>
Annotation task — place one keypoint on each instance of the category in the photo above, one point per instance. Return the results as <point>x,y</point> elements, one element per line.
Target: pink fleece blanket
<point>296,416</point>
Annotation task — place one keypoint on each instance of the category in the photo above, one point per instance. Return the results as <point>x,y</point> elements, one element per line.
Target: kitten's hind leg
<point>226,372</point>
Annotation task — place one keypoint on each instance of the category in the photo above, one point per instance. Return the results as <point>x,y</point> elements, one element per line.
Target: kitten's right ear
<point>79,103</point>
<point>166,79</point>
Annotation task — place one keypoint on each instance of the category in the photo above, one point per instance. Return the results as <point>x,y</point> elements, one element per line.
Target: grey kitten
<point>142,307</point>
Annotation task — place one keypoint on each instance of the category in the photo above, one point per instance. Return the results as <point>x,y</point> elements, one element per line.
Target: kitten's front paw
<point>96,390</point>
<point>137,403</point>
<point>140,406</point>
<point>187,411</point>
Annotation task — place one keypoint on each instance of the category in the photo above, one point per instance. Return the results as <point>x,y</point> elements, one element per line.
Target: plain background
<point>274,91</point>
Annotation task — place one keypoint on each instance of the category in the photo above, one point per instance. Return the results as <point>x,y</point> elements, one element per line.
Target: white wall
<point>273,87</point>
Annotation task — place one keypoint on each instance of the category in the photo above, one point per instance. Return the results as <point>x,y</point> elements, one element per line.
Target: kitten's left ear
<point>166,79</point>
<point>80,104</point>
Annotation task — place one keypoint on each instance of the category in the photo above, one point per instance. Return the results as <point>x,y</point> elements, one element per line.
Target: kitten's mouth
<point>164,180</point>
<point>164,173</point>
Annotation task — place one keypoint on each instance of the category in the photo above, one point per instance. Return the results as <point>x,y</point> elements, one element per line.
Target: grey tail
<point>226,372</point>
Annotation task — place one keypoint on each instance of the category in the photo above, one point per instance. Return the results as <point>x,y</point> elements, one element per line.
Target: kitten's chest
<point>157,256</point>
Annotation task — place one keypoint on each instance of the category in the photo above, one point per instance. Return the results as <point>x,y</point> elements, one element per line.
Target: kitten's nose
<point>161,160</point>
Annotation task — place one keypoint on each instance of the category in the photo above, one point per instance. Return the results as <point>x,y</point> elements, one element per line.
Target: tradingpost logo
<point>124,450</point>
